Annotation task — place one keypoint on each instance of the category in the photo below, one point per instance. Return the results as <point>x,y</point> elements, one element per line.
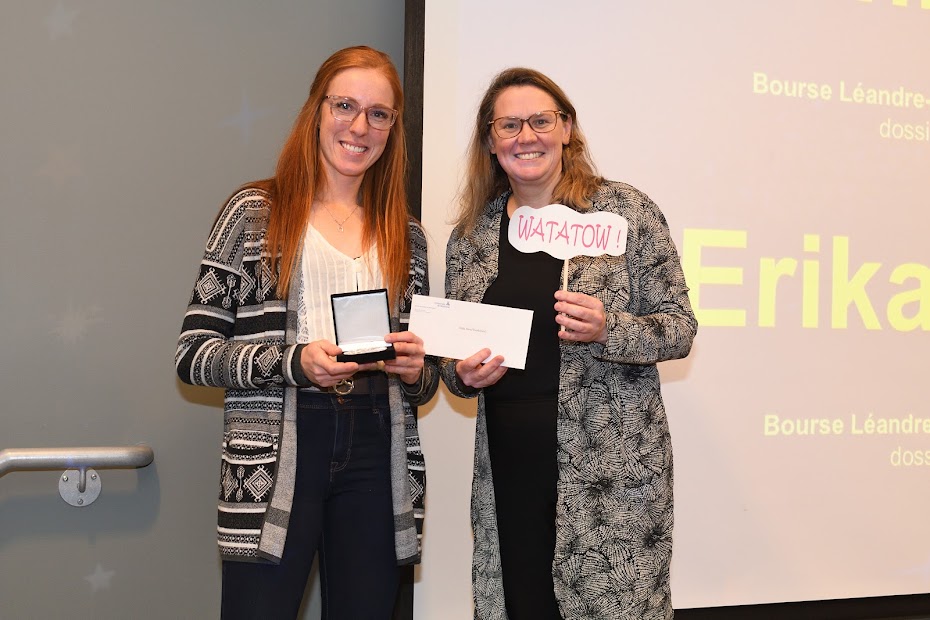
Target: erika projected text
<point>902,305</point>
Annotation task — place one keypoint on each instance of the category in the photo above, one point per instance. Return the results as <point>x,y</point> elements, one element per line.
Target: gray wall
<point>123,127</point>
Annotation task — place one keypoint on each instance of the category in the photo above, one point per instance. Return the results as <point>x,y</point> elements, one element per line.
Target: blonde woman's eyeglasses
<point>541,122</point>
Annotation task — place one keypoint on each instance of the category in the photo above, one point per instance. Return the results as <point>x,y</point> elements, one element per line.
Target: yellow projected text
<point>897,98</point>
<point>907,309</point>
<point>924,4</point>
<point>871,426</point>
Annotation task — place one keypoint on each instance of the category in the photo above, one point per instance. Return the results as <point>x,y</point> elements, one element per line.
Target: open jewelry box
<point>361,321</point>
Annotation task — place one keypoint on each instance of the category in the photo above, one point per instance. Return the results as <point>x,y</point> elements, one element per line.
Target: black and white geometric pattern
<point>239,335</point>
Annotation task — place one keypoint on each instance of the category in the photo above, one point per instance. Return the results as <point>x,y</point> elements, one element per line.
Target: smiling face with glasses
<point>527,135</point>
<point>541,122</point>
<point>347,109</point>
<point>354,132</point>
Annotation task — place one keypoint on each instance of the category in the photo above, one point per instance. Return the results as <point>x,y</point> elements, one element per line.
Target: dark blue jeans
<point>342,509</point>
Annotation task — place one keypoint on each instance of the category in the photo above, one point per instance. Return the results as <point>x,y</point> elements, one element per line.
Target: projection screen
<point>788,144</point>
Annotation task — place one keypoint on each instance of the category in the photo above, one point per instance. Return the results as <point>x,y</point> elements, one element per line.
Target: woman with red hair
<point>319,456</point>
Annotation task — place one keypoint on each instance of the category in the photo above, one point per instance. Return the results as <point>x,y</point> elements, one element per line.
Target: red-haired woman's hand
<point>319,364</point>
<point>408,364</point>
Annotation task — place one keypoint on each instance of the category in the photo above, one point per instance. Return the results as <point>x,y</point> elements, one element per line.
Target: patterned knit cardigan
<point>237,334</point>
<point>614,511</point>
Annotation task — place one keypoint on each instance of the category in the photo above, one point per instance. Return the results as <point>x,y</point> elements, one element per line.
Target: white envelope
<point>459,329</point>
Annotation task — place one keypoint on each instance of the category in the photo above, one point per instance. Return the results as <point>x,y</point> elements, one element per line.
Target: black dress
<point>521,415</point>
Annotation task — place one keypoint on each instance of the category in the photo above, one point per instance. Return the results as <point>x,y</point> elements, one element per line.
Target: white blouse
<point>326,271</point>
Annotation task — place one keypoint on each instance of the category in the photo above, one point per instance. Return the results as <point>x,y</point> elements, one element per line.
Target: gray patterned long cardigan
<point>614,511</point>
<point>239,335</point>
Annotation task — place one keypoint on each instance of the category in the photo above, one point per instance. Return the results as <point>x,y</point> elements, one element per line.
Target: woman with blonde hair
<point>572,490</point>
<point>320,456</point>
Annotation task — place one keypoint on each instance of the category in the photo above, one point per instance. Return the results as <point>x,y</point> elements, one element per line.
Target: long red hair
<point>299,177</point>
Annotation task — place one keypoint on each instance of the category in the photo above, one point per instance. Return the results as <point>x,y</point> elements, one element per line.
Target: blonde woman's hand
<point>582,316</point>
<point>475,373</point>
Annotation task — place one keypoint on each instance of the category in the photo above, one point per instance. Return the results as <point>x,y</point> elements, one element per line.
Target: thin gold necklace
<point>340,225</point>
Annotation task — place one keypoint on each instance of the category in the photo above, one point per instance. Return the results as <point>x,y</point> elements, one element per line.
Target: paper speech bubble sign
<point>564,233</point>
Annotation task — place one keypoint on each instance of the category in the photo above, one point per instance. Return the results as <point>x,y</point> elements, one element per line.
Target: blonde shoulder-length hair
<point>485,179</point>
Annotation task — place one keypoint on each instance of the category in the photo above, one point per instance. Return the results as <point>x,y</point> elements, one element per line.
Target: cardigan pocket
<point>249,464</point>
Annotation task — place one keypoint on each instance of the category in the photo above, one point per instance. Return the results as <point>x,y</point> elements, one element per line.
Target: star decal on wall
<point>99,579</point>
<point>60,21</point>
<point>245,118</point>
<point>73,325</point>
